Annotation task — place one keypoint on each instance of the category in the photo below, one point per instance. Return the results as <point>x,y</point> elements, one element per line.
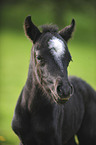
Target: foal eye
<point>41,60</point>
<point>39,57</point>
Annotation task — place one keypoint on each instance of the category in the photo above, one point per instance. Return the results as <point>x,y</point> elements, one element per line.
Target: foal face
<point>50,58</point>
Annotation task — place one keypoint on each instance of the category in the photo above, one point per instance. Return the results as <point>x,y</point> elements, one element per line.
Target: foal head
<point>50,59</point>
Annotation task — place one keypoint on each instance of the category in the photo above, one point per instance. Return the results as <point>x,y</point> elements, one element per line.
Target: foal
<point>52,108</point>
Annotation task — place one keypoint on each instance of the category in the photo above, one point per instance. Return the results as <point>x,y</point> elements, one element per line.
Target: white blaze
<point>57,48</point>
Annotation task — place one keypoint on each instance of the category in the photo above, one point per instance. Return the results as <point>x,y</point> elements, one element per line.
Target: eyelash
<point>71,59</point>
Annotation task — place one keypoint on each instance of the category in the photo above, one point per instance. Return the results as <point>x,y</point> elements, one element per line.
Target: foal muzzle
<point>64,92</point>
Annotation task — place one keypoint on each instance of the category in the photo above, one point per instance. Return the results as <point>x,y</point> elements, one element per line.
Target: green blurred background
<point>15,48</point>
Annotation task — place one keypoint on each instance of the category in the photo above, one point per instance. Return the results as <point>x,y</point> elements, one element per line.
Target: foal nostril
<point>59,90</point>
<point>65,91</point>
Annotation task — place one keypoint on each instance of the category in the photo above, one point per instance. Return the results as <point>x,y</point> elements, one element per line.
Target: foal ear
<point>66,33</point>
<point>31,30</point>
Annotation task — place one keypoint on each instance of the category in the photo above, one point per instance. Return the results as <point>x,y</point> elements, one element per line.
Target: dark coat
<point>54,124</point>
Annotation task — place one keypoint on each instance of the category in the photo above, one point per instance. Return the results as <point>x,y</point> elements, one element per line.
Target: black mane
<point>49,28</point>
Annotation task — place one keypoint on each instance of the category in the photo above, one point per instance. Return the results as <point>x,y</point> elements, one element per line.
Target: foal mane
<point>49,28</point>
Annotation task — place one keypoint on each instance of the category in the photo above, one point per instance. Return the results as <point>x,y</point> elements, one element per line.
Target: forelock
<point>49,28</point>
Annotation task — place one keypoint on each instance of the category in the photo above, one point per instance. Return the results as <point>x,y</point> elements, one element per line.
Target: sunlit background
<point>15,48</point>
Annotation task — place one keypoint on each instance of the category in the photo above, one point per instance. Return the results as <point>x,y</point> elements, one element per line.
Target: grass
<point>14,65</point>
<point>84,62</point>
